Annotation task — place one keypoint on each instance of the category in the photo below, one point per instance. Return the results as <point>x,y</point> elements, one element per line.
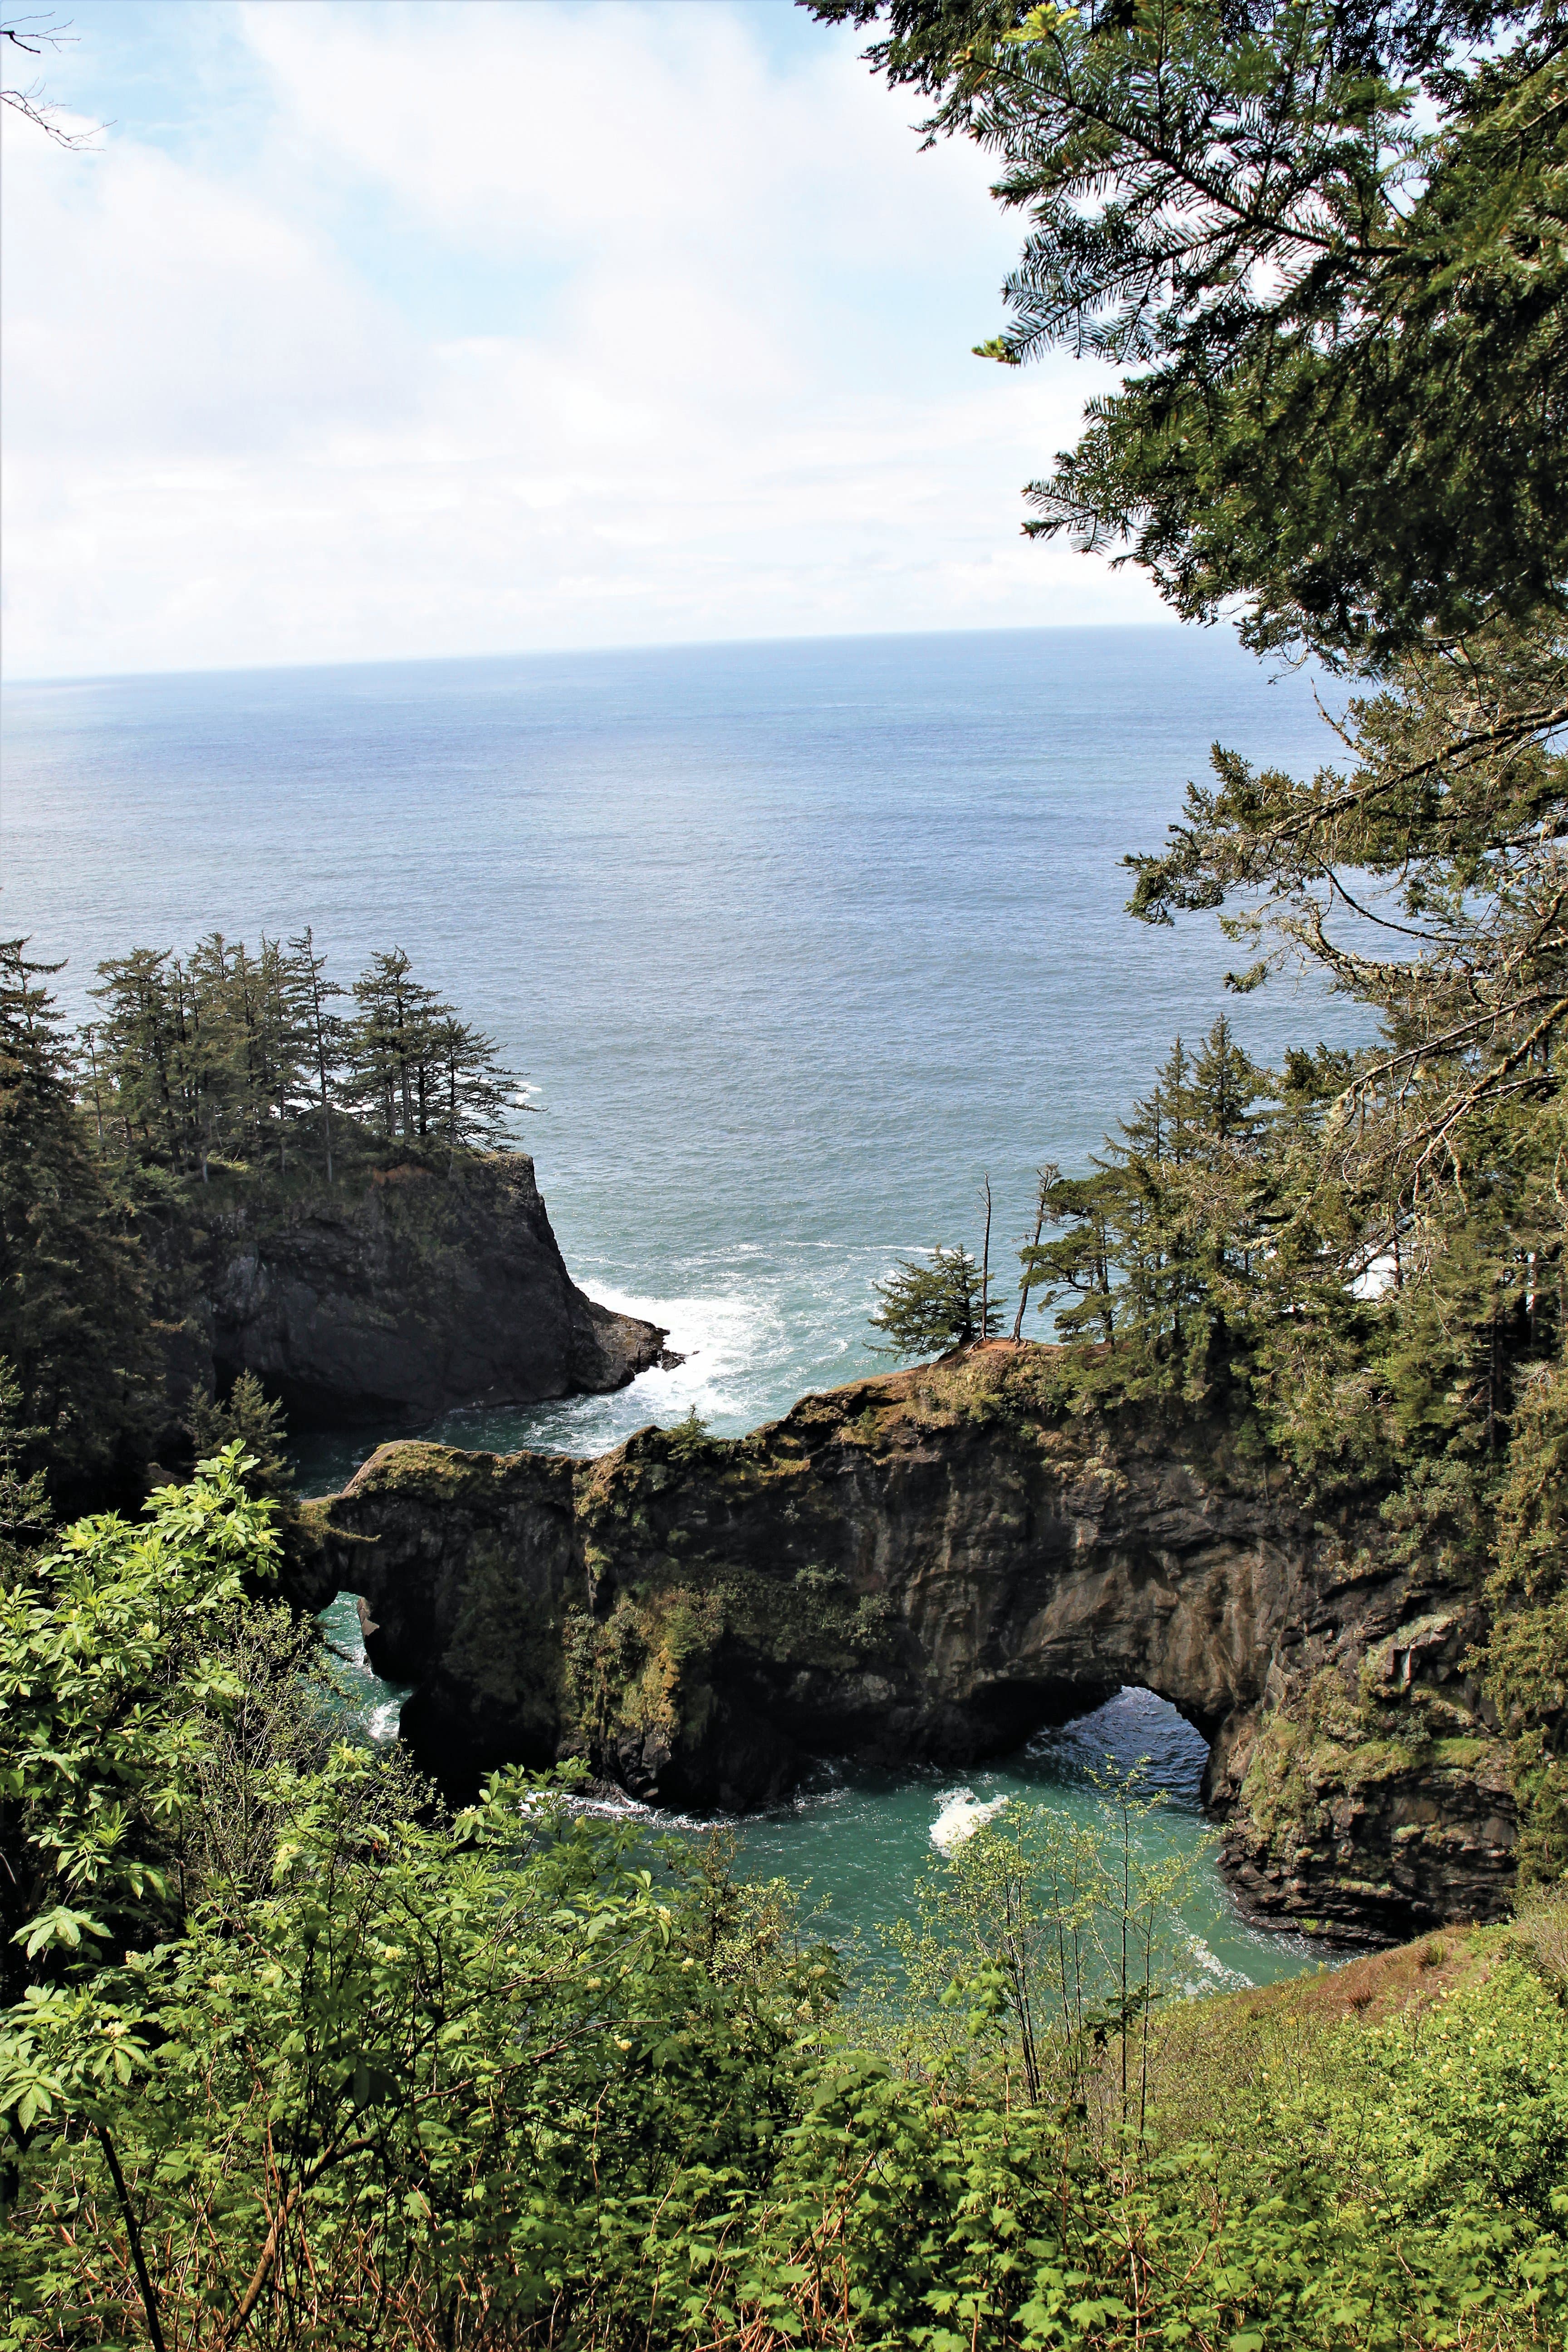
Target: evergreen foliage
<point>924,1310</point>
<point>25,1512</point>
<point>248,1417</point>
<point>1328,244</point>
<point>1427,883</point>
<point>1528,1653</point>
<point>73,1288</point>
<point>1325,244</point>
<point>221,1055</point>
<point>248,1420</point>
<point>1164,1238</point>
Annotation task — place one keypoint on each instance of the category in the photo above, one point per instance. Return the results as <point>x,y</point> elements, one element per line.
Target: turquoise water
<point>853,1843</point>
<point>794,943</point>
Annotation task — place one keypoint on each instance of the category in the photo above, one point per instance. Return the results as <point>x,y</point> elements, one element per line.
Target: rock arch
<point>933,1565</point>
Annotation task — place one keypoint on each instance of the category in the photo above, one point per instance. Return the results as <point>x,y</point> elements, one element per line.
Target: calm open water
<point>794,942</point>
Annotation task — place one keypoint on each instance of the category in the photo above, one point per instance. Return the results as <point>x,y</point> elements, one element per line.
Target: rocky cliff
<point>931,1566</point>
<point>397,1293</point>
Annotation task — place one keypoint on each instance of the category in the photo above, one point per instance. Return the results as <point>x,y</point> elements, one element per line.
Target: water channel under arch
<point>853,1841</point>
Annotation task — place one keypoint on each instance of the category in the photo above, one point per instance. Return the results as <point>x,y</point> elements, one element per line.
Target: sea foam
<point>961,1813</point>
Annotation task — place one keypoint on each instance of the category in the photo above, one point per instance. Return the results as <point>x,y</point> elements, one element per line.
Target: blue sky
<point>375,330</point>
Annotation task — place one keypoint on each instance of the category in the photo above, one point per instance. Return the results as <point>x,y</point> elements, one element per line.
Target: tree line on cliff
<point>216,1064</point>
<point>226,1055</point>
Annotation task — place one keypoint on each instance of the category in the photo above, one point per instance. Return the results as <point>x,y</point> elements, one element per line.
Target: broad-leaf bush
<point>356,2073</point>
<point>111,1680</point>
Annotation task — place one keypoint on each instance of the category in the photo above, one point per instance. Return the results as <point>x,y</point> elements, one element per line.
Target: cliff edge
<point>394,1296</point>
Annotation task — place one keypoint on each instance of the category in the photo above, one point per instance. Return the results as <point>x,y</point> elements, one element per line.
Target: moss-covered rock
<point>932,1564</point>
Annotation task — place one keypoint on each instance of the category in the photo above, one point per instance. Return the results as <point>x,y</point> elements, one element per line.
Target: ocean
<point>790,943</point>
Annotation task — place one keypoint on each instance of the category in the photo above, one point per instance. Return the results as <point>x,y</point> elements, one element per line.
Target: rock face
<point>931,1566</point>
<point>398,1294</point>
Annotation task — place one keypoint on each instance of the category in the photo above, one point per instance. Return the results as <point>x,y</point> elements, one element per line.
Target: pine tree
<point>1162,1241</point>
<point>73,1300</point>
<point>258,1423</point>
<point>393,1046</point>
<point>322,1030</point>
<point>137,1044</point>
<point>1078,1264</point>
<point>215,1054</point>
<point>226,1055</point>
<point>1225,1085</point>
<point>925,1310</point>
<point>421,1072</point>
<point>477,1095</point>
<point>286,1026</point>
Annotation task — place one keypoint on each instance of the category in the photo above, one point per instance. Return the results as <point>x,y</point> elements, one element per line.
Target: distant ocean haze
<point>794,941</point>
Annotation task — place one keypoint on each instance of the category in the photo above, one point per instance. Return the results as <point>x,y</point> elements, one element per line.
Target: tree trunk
<point>1047,1176</point>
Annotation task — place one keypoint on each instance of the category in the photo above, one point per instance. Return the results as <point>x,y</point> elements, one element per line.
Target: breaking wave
<point>961,1813</point>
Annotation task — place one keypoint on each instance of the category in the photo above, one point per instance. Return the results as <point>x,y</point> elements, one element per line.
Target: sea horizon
<point>1156,624</point>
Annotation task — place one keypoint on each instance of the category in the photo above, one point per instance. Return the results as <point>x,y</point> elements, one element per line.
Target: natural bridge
<point>931,1566</point>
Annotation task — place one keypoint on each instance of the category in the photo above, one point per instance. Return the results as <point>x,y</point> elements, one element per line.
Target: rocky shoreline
<point>931,1566</point>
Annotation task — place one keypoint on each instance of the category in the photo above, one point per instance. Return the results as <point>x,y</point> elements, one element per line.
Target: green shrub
<point>301,2060</point>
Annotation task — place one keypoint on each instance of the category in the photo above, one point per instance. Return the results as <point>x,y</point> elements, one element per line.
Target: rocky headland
<point>931,1566</point>
<point>407,1288</point>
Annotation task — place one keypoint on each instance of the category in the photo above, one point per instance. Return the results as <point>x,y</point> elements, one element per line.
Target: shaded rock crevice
<point>930,1567</point>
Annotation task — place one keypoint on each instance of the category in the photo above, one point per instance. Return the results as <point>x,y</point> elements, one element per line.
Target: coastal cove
<point>933,1567</point>
<point>784,1418</point>
<point>855,1840</point>
<point>736,1153</point>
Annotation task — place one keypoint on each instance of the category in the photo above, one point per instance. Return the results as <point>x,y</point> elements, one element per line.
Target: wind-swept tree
<point>926,1309</point>
<point>1076,1264</point>
<point>476,1097</point>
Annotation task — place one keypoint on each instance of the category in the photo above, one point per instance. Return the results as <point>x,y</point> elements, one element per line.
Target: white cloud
<point>649,338</point>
